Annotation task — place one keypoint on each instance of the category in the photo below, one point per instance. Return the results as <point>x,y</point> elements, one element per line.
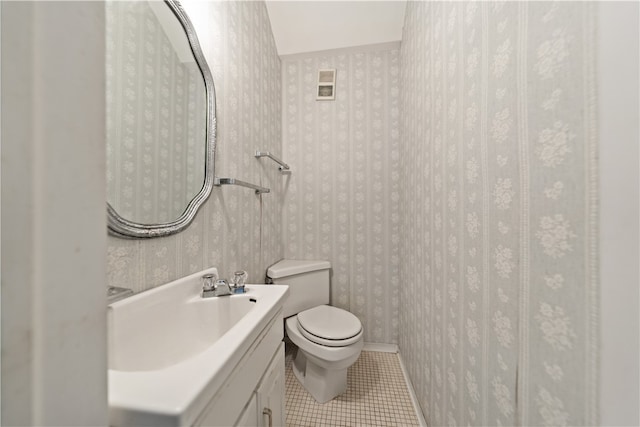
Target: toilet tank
<point>308,283</point>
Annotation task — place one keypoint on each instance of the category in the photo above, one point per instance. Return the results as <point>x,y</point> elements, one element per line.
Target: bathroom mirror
<point>160,119</point>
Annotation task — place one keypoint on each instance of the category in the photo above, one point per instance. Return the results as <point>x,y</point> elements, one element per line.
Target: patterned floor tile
<point>376,395</point>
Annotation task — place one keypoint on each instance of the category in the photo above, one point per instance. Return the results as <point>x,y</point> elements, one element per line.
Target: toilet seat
<point>329,326</point>
<point>325,356</point>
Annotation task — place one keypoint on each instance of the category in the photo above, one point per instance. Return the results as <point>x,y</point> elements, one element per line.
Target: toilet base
<point>323,384</point>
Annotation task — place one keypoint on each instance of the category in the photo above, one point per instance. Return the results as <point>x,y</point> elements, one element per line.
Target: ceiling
<point>309,26</point>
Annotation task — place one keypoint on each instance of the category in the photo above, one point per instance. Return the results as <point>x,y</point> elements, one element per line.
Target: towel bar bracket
<point>232,181</point>
<point>283,166</point>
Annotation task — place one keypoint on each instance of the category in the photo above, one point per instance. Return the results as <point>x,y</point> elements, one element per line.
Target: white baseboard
<point>412,393</point>
<point>380,347</point>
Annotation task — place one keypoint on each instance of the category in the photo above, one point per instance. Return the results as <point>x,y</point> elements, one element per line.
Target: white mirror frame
<point>121,227</point>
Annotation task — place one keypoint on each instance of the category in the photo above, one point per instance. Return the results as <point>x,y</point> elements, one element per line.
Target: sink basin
<point>159,335</point>
<point>170,349</point>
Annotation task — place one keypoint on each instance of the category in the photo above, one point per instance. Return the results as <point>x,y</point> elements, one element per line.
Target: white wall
<point>619,138</point>
<point>498,319</point>
<point>341,199</point>
<point>53,214</point>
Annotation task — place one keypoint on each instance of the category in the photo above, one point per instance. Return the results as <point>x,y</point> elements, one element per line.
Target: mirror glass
<point>159,119</point>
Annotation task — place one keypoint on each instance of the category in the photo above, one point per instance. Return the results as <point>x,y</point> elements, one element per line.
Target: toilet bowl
<point>329,339</point>
<point>322,368</point>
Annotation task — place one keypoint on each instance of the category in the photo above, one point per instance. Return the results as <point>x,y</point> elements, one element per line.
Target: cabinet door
<point>249,415</point>
<point>271,392</point>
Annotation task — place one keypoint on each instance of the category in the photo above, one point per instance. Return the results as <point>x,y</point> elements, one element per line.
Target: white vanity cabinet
<point>266,407</point>
<point>253,394</point>
<point>249,416</point>
<point>270,393</point>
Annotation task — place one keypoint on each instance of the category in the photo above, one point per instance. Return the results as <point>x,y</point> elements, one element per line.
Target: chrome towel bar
<point>232,181</point>
<point>283,166</point>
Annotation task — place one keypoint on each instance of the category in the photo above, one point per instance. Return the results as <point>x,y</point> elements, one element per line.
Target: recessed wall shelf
<point>284,168</point>
<point>232,181</point>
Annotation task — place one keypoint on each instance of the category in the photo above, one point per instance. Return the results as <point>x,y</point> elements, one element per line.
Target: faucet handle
<point>239,277</point>
<point>238,281</point>
<point>208,282</point>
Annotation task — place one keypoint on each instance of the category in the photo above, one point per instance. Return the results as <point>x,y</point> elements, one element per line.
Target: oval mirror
<point>160,119</point>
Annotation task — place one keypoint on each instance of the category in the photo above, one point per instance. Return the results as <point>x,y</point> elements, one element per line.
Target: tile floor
<point>376,395</point>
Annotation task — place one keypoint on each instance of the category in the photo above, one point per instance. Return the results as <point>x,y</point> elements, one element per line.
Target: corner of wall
<point>618,102</point>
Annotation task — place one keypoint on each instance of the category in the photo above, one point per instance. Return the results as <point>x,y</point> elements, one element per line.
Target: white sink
<point>150,335</point>
<point>170,350</point>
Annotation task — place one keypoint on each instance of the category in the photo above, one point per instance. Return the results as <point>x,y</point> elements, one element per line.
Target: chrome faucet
<point>214,287</point>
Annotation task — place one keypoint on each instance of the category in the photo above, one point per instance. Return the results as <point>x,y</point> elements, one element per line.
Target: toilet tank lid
<point>290,267</point>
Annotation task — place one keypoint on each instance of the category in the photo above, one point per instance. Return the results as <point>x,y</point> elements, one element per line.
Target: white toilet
<point>329,339</point>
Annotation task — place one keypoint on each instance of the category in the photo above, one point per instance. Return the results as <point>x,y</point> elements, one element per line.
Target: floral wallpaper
<point>341,202</point>
<point>452,185</point>
<point>235,229</point>
<point>154,98</point>
<point>499,210</point>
